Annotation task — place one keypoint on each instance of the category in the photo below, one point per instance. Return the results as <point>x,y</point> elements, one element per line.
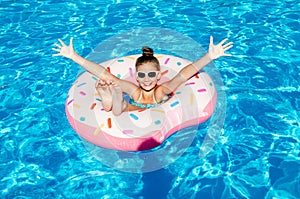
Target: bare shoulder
<point>161,92</point>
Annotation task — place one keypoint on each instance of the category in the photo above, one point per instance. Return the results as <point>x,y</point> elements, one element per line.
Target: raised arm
<point>214,52</point>
<point>92,67</point>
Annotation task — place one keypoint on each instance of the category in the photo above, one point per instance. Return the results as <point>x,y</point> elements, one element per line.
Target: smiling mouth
<point>147,84</point>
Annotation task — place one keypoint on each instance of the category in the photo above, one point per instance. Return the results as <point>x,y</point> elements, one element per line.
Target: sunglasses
<point>150,74</point>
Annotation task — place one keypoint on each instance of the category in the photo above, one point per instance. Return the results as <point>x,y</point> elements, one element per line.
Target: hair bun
<point>147,51</point>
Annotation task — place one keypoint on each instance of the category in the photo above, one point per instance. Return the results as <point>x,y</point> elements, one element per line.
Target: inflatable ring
<point>192,104</point>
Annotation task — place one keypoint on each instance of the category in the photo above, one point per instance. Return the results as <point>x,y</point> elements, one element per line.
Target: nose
<point>147,78</point>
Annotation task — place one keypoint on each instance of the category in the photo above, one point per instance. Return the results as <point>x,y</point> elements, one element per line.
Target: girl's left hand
<point>216,51</point>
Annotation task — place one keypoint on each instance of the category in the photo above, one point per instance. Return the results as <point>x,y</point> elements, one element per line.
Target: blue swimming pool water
<point>257,152</point>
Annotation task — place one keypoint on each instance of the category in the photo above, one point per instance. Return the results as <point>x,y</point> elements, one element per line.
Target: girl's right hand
<point>64,50</point>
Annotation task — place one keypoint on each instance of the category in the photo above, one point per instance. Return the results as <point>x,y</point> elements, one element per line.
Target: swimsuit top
<point>140,105</point>
<point>141,95</point>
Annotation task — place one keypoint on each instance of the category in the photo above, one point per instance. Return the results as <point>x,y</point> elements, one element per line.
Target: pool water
<point>257,151</point>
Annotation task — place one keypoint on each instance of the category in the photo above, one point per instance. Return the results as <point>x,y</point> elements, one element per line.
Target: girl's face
<point>147,76</point>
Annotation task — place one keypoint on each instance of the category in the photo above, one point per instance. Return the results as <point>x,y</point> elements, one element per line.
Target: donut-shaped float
<point>191,104</point>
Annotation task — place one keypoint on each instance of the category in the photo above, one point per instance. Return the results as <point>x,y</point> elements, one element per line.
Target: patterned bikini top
<point>141,105</point>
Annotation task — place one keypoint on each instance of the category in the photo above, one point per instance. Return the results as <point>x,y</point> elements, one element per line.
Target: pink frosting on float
<point>134,144</point>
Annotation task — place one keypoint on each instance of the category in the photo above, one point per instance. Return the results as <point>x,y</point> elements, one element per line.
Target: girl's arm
<point>94,68</point>
<point>214,52</point>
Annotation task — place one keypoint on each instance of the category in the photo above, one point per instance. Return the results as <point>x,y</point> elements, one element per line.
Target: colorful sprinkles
<point>164,72</point>
<point>109,123</point>
<point>82,84</point>
<point>127,131</point>
<point>131,72</point>
<point>82,119</point>
<point>76,105</point>
<point>190,83</point>
<point>133,116</point>
<point>157,110</point>
<point>167,60</point>
<point>157,122</point>
<point>97,131</point>
<point>192,99</point>
<point>94,78</point>
<point>93,106</point>
<point>132,58</point>
<point>82,93</point>
<point>72,100</point>
<point>201,90</point>
<point>174,104</point>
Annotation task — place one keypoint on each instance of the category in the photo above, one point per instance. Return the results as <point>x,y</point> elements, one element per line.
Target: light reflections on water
<point>257,155</point>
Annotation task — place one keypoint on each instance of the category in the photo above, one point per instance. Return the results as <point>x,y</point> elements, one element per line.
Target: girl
<point>148,93</point>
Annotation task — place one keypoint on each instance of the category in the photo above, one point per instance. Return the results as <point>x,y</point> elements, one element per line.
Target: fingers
<point>55,55</point>
<point>228,44</point>
<point>211,40</point>
<point>223,41</point>
<point>55,49</point>
<point>227,55</point>
<point>71,41</point>
<point>103,83</point>
<point>100,82</point>
<point>227,47</point>
<point>109,82</point>
<point>57,45</point>
<point>61,42</point>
